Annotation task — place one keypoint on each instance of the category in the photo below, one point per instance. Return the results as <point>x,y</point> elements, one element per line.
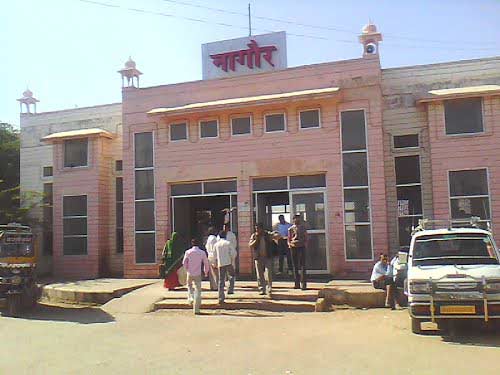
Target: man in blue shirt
<point>282,228</point>
<point>382,279</point>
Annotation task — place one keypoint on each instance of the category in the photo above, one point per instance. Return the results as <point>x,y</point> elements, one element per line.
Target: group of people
<point>218,260</point>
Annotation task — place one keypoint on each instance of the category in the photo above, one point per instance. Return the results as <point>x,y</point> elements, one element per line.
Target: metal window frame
<point>76,217</point>
<point>310,110</point>
<point>470,196</point>
<point>342,152</point>
<point>87,164</point>
<point>469,134</point>
<point>236,116</point>
<point>209,120</point>
<point>273,113</point>
<point>185,123</point>
<point>153,137</point>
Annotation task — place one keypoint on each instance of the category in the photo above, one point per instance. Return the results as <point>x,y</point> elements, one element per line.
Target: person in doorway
<point>297,241</point>
<point>230,236</point>
<point>284,251</point>
<point>214,272</point>
<point>226,256</point>
<point>382,279</point>
<point>194,260</point>
<point>261,246</point>
<point>173,253</point>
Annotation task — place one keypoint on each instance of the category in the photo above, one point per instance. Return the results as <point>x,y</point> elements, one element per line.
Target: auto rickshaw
<point>18,288</point>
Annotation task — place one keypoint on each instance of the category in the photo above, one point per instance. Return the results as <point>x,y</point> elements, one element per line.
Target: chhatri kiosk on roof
<point>360,152</point>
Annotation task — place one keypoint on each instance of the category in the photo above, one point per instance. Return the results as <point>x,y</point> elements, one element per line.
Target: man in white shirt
<point>230,236</point>
<point>225,254</point>
<point>209,246</point>
<point>382,279</point>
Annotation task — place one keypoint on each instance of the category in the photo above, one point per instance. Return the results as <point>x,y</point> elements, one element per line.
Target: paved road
<point>57,340</point>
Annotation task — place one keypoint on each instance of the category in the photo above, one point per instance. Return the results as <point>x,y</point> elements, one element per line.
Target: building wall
<point>401,88</point>
<point>292,152</point>
<point>36,154</point>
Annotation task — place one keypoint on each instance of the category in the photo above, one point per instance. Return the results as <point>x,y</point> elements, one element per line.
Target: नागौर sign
<point>249,55</point>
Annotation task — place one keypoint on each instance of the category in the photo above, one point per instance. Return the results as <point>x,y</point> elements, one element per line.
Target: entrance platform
<point>97,292</point>
<point>145,295</point>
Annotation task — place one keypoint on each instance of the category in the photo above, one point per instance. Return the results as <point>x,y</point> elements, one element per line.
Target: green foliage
<point>10,195</point>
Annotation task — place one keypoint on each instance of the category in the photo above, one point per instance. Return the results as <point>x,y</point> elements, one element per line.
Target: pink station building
<point>359,151</point>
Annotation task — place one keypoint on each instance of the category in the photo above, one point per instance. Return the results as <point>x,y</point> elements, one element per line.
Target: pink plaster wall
<point>95,182</point>
<point>292,152</point>
<point>458,152</point>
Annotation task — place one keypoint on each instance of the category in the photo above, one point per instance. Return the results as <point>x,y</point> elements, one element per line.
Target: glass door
<point>311,205</point>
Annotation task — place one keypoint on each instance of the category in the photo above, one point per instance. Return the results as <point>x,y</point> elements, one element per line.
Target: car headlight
<point>492,287</point>
<point>419,287</point>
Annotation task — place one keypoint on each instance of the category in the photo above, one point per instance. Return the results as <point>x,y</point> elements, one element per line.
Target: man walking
<point>193,260</point>
<point>261,246</point>
<point>297,240</point>
<point>226,256</point>
<point>284,251</point>
<point>209,246</point>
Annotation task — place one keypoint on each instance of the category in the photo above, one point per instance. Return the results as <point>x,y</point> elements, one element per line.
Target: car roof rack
<point>472,222</point>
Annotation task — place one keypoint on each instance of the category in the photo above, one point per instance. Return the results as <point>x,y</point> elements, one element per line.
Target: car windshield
<point>454,248</point>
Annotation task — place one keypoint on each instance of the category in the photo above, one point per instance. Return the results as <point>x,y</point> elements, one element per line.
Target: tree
<point>10,194</point>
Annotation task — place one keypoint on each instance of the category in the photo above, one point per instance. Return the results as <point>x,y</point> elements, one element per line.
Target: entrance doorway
<point>197,206</point>
<point>304,195</point>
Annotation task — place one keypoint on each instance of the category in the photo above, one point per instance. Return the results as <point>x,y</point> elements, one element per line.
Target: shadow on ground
<point>473,334</point>
<point>80,315</point>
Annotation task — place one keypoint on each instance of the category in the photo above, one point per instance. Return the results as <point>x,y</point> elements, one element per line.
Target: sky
<point>68,52</point>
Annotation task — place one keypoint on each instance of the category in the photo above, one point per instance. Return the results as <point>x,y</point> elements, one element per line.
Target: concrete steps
<point>246,297</point>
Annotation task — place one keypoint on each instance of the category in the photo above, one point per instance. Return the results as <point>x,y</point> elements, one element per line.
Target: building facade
<point>360,152</point>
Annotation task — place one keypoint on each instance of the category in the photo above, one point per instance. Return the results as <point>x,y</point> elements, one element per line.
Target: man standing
<point>230,236</point>
<point>282,228</point>
<point>194,259</point>
<point>261,246</point>
<point>226,256</point>
<point>209,246</point>
<point>297,240</point>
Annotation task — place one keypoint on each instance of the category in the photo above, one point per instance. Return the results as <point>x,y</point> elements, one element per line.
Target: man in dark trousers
<point>261,246</point>
<point>297,240</point>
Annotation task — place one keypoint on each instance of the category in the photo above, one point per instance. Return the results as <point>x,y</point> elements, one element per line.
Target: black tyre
<point>415,326</point>
<point>14,305</point>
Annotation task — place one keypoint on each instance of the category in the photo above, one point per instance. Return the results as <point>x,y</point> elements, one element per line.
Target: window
<point>270,183</point>
<point>47,171</point>
<point>405,141</point>
<point>145,232</point>
<point>119,165</point>
<point>211,187</point>
<point>275,122</point>
<point>48,215</point>
<point>143,150</point>
<point>357,220</point>
<point>463,116</point>
<point>312,181</point>
<point>241,125</point>
<point>75,153</point>
<point>469,195</point>
<point>209,129</point>
<point>119,215</point>
<point>409,196</point>
<point>178,132</point>
<point>75,225</point>
<point>186,189</point>
<point>309,119</point>
<point>353,130</point>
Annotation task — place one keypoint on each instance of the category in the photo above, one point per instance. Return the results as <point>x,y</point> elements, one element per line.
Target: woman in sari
<point>173,253</point>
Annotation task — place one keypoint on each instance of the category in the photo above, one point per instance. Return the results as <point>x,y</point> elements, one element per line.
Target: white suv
<point>453,273</point>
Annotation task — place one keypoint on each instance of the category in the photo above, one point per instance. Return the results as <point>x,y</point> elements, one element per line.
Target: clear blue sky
<point>68,51</point>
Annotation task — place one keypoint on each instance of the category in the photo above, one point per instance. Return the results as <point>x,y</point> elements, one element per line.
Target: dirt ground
<point>55,340</point>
